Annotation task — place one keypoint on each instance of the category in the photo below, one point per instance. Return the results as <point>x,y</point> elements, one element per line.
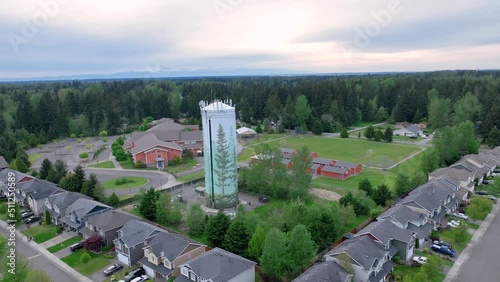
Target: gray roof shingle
<point>82,207</point>
<point>345,164</point>
<point>135,232</point>
<point>149,141</point>
<point>110,220</point>
<point>219,265</point>
<point>363,250</point>
<point>335,169</point>
<point>323,161</point>
<point>326,271</point>
<point>170,245</point>
<point>385,231</point>
<point>401,214</point>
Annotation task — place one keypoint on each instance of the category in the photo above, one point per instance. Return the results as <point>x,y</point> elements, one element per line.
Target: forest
<point>37,113</point>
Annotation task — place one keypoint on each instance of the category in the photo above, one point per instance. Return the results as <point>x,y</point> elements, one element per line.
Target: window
<point>185,271</point>
<point>193,277</point>
<point>159,156</point>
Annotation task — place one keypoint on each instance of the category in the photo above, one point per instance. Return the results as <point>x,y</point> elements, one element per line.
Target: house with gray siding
<point>56,204</point>
<point>131,240</point>
<point>78,212</point>
<point>106,225</point>
<point>217,265</point>
<point>329,271</point>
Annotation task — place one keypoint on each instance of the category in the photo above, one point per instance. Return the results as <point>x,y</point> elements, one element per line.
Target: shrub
<point>3,208</point>
<point>177,160</point>
<point>426,250</point>
<point>344,133</point>
<point>396,259</point>
<point>59,230</point>
<point>139,164</point>
<point>85,257</point>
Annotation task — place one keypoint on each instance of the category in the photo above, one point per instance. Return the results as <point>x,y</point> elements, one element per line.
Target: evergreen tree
<point>317,127</point>
<point>113,200</point>
<point>344,133</point>
<point>378,135</point>
<point>147,207</point>
<point>90,185</point>
<point>45,168</point>
<point>493,139</point>
<point>236,239</point>
<point>163,207</point>
<point>256,243</point>
<point>388,134</point>
<point>302,110</point>
<point>275,260</point>
<point>20,165</point>
<point>369,132</point>
<point>48,219</point>
<point>196,220</point>
<point>60,170</point>
<point>402,184</point>
<point>216,229</point>
<point>365,185</point>
<point>301,248</point>
<point>381,195</point>
<point>258,129</point>
<point>79,174</point>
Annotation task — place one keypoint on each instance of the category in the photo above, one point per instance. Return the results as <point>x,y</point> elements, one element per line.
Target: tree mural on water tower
<point>225,168</point>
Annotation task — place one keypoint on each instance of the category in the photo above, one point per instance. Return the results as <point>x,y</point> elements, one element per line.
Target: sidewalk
<point>58,239</point>
<point>455,270</point>
<point>66,268</point>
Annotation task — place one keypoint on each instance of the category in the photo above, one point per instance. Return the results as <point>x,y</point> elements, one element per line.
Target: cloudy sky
<point>72,37</point>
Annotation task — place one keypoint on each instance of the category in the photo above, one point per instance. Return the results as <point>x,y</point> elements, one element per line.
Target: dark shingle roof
<point>150,141</point>
<point>82,207</point>
<point>287,150</point>
<point>361,249</point>
<point>323,161</point>
<point>219,265</point>
<point>326,271</point>
<point>110,220</point>
<point>191,135</point>
<point>170,245</point>
<point>421,231</point>
<point>65,199</point>
<point>345,164</point>
<point>335,169</point>
<point>385,231</point>
<point>135,232</point>
<point>41,189</point>
<point>401,214</point>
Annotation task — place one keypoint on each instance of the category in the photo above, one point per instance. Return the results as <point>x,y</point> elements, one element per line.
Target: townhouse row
<point>395,232</point>
<point>162,253</point>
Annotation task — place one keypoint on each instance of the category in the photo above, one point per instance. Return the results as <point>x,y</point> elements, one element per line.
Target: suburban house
<point>329,271</point>
<point>19,178</point>
<point>77,213</point>
<point>389,235</point>
<point>470,169</point>
<point>42,190</point>
<point>245,132</point>
<point>464,178</point>
<point>483,164</point>
<point>410,131</point>
<point>153,152</point>
<point>165,252</point>
<point>423,125</point>
<point>105,224</point>
<point>370,260</point>
<point>406,218</point>
<point>402,124</point>
<point>130,241</point>
<point>56,204</point>
<point>3,163</point>
<point>217,265</point>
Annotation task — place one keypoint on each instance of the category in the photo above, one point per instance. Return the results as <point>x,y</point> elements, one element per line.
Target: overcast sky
<point>71,37</point>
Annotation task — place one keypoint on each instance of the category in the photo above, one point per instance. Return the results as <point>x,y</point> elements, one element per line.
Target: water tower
<point>219,148</point>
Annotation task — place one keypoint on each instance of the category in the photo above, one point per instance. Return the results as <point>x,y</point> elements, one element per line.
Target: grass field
<point>130,182</point>
<point>185,165</point>
<point>261,139</point>
<point>40,233</point>
<point>410,271</point>
<point>448,235</point>
<point>64,244</point>
<point>97,261</point>
<point>191,177</point>
<point>127,164</point>
<point>352,150</point>
<point>105,164</point>
<point>32,158</point>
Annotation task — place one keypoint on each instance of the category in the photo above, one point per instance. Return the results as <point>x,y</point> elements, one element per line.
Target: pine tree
<point>256,243</point>
<point>402,184</point>
<point>236,239</point>
<point>381,195</point>
<point>344,133</point>
<point>365,185</point>
<point>196,220</point>
<point>388,134</point>
<point>147,207</point>
<point>369,132</point>
<point>378,135</point>
<point>79,178</point>
<point>317,127</point>
<point>216,229</point>
<point>45,168</point>
<point>60,170</point>
<point>113,200</point>
<point>48,219</point>
<point>493,139</point>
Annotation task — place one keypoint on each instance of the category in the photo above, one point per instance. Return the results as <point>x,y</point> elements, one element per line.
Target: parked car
<point>487,182</point>
<point>133,274</point>
<point>443,243</point>
<point>460,215</point>
<point>31,220</point>
<point>76,246</point>
<point>493,198</point>
<point>452,224</point>
<point>140,279</point>
<point>482,193</point>
<point>413,137</point>
<point>444,250</point>
<point>495,174</point>
<point>112,269</point>
<point>27,215</point>
<point>419,260</point>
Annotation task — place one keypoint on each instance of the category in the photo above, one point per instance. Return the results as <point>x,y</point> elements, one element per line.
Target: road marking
<point>33,257</point>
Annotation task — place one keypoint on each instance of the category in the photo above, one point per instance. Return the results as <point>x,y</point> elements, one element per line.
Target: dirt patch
<point>325,194</point>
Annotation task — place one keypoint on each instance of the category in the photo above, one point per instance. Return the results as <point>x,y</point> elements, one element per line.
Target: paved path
<point>40,258</point>
<point>479,260</point>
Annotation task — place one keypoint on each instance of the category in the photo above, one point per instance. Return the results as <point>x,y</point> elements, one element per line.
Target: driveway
<point>99,276</point>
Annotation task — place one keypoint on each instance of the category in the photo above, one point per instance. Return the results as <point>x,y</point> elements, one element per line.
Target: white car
<point>460,215</point>
<point>419,260</point>
<point>140,279</point>
<point>452,224</point>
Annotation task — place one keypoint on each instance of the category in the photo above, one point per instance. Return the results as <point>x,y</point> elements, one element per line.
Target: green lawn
<point>105,164</point>
<point>352,150</point>
<point>64,244</point>
<point>473,225</point>
<point>410,271</point>
<point>32,158</point>
<point>406,138</point>
<point>191,177</point>
<point>131,182</point>
<point>375,176</point>
<point>97,262</point>
<point>185,165</point>
<point>261,138</point>
<point>124,197</point>
<point>121,273</point>
<point>448,235</point>
<point>246,154</point>
<point>41,233</point>
<point>492,189</point>
<point>127,164</point>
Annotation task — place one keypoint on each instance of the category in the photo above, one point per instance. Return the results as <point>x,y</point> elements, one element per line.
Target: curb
<point>464,257</point>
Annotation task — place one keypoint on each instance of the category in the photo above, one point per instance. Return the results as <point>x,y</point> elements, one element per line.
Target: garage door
<point>124,259</point>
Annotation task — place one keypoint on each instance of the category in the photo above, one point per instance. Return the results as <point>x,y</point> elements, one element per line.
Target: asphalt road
<point>37,261</point>
<point>483,264</point>
<point>155,179</point>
